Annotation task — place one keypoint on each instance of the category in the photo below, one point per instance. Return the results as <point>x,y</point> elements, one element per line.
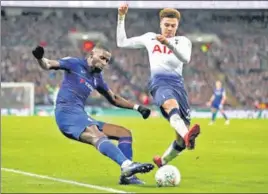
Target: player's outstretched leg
<point>227,121</point>
<point>185,138</point>
<point>124,138</point>
<point>181,128</point>
<point>176,147</point>
<point>93,136</point>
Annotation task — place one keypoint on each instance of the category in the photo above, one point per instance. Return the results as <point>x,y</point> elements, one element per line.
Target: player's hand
<point>162,39</point>
<point>208,103</point>
<point>38,52</point>
<point>122,10</point>
<point>145,112</point>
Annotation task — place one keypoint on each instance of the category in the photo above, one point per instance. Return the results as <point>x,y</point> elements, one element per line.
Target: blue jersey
<point>218,95</point>
<point>78,83</point>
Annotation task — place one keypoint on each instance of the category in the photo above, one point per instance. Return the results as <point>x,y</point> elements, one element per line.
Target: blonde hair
<point>169,13</point>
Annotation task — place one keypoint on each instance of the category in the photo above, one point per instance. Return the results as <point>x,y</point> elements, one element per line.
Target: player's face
<point>99,60</point>
<point>169,27</point>
<point>218,84</point>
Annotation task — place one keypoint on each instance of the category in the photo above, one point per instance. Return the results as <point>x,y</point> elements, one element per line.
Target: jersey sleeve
<point>67,63</point>
<point>182,48</point>
<point>101,84</point>
<point>123,41</point>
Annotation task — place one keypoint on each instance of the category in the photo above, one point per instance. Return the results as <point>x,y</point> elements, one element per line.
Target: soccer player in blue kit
<point>82,76</point>
<point>216,103</point>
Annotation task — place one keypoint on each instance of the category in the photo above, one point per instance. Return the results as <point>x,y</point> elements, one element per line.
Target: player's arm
<point>47,64</point>
<point>211,100</point>
<point>44,63</point>
<point>121,37</point>
<point>223,98</point>
<point>182,48</point>
<point>121,102</point>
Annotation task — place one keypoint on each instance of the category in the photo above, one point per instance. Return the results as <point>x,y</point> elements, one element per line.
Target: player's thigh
<point>168,98</point>
<point>170,104</point>
<point>213,109</point>
<point>91,135</point>
<point>164,97</point>
<point>183,104</point>
<point>115,131</point>
<point>72,123</point>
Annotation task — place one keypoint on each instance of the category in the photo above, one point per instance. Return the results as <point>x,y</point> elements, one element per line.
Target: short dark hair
<point>102,46</point>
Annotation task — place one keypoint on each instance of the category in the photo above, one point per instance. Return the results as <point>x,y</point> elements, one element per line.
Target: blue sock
<point>107,148</point>
<point>125,145</point>
<point>214,114</point>
<point>225,116</point>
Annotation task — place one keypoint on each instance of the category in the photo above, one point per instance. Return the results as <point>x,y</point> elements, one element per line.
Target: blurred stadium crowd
<point>240,61</point>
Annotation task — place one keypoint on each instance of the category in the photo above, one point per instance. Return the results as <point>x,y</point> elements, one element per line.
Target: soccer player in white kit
<point>167,54</point>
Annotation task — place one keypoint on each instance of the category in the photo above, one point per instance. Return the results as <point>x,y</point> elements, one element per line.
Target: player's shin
<point>173,150</point>
<point>108,149</point>
<point>224,116</point>
<point>177,123</point>
<point>214,115</point>
<point>125,145</point>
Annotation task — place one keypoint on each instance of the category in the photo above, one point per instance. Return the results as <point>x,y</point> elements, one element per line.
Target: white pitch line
<point>64,181</point>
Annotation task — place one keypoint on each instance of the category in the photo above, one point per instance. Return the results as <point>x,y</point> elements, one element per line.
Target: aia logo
<point>162,49</point>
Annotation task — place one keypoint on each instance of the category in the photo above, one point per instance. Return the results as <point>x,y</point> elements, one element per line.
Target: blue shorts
<point>72,122</point>
<point>215,105</point>
<point>169,90</point>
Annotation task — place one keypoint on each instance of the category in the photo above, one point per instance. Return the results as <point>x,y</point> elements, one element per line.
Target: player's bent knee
<point>91,135</point>
<point>170,104</point>
<point>213,110</point>
<point>123,132</point>
<point>126,132</point>
<point>115,131</point>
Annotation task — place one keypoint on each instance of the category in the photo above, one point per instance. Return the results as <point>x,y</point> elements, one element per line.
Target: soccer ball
<point>167,176</point>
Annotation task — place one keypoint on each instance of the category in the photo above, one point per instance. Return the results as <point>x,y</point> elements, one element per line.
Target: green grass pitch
<point>226,159</point>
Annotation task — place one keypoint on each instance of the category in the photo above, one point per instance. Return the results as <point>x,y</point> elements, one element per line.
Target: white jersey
<point>164,59</point>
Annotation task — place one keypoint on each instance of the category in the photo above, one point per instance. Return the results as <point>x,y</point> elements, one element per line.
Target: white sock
<point>170,154</point>
<point>177,123</point>
<point>126,163</point>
